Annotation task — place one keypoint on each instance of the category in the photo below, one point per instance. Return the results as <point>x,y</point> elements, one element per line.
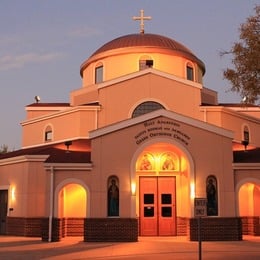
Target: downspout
<point>51,204</point>
<point>96,119</point>
<point>96,116</point>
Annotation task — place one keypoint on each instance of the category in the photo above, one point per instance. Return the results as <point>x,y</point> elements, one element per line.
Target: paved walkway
<point>72,248</point>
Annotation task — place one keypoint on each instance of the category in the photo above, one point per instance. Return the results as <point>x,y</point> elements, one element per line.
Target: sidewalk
<point>12,248</point>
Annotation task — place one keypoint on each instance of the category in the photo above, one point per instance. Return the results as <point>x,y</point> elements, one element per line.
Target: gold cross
<point>142,18</point>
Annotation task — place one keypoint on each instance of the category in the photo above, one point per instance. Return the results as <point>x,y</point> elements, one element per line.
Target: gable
<point>148,119</point>
<point>152,71</point>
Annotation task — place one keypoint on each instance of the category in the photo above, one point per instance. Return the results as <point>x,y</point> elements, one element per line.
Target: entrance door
<point>3,210</point>
<point>157,206</point>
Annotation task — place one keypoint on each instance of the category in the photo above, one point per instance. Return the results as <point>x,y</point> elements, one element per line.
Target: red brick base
<point>111,229</point>
<point>183,226</point>
<point>28,227</point>
<point>251,226</point>
<point>73,227</point>
<point>118,229</point>
<point>62,227</point>
<point>216,229</point>
<point>57,231</point>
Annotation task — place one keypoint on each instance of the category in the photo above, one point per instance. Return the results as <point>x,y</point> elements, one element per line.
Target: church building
<point>143,148</point>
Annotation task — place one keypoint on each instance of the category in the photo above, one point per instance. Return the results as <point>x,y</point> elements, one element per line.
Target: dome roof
<point>137,40</point>
<point>146,40</point>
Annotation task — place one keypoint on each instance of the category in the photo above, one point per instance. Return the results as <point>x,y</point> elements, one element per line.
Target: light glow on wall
<point>13,198</point>
<point>246,200</point>
<point>133,188</point>
<point>192,190</point>
<point>184,164</point>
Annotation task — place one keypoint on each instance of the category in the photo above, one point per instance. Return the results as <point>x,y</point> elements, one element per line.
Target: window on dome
<point>145,64</point>
<point>98,74</point>
<point>146,107</point>
<point>190,72</point>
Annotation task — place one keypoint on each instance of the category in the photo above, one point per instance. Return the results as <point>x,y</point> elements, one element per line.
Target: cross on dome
<point>142,18</point>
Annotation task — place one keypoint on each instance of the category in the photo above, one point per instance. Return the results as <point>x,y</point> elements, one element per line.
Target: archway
<point>72,201</point>
<point>248,205</point>
<point>164,178</point>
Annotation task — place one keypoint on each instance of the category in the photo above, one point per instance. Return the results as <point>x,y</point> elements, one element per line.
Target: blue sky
<point>44,42</point>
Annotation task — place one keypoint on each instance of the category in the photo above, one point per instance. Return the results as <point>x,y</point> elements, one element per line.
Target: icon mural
<point>212,196</point>
<point>167,161</point>
<point>113,197</point>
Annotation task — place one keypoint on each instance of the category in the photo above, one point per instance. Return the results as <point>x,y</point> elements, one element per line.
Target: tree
<point>3,149</point>
<point>245,76</point>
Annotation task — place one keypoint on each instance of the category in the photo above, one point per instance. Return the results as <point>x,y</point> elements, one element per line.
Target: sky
<point>43,44</point>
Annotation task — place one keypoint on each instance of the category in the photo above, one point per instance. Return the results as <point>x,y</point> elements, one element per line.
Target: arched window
<point>48,135</point>
<point>212,196</point>
<point>190,72</point>
<point>99,73</point>
<point>246,135</point>
<point>113,197</point>
<point>146,107</point>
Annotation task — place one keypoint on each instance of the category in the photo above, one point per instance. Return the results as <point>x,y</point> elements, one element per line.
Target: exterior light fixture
<point>133,188</point>
<point>245,143</point>
<point>68,144</point>
<point>37,99</point>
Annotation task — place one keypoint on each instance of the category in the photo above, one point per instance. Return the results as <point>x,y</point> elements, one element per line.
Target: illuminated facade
<point>138,142</point>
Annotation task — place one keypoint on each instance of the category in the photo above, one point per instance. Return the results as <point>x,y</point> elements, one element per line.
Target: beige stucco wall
<point>115,153</point>
<point>119,101</point>
<point>120,62</point>
<point>38,111</point>
<point>84,95</point>
<point>247,183</point>
<point>110,157</point>
<point>74,124</point>
<point>243,174</point>
<point>26,182</point>
<point>235,122</point>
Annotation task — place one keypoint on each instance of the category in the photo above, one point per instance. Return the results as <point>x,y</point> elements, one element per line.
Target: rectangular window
<point>149,212</point>
<point>148,198</point>
<point>166,211</point>
<point>190,74</point>
<point>99,75</point>
<point>246,135</point>
<point>145,64</point>
<point>48,136</point>
<point>166,198</point>
<point>149,63</point>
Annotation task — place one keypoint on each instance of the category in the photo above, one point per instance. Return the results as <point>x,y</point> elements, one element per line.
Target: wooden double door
<point>157,206</point>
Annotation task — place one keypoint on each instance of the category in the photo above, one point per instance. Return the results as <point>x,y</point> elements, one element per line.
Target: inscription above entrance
<point>162,128</point>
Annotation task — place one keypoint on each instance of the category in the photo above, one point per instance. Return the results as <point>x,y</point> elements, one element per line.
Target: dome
<point>137,40</point>
<point>145,40</point>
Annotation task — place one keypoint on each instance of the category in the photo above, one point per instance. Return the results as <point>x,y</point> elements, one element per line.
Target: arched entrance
<point>72,207</point>
<point>163,190</point>
<point>249,200</point>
